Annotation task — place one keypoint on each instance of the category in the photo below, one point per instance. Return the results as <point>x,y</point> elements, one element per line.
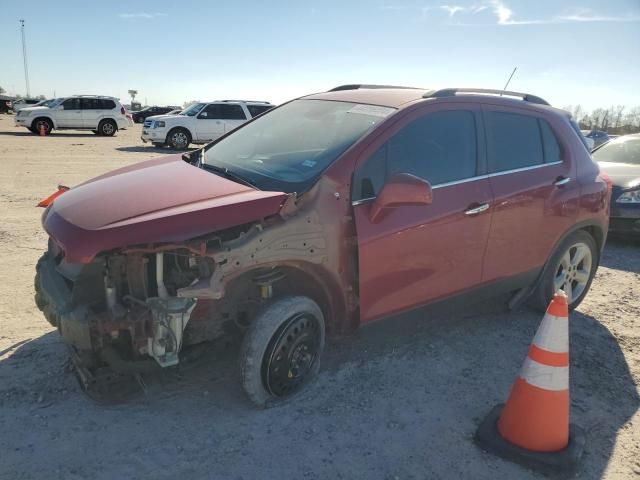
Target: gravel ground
<point>398,400</point>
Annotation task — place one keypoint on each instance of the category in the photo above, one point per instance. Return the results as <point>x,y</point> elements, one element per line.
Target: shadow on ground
<point>399,399</point>
<point>53,134</point>
<point>150,148</point>
<point>622,253</point>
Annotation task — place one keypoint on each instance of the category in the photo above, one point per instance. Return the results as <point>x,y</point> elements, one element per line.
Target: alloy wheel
<point>573,271</point>
<point>179,140</point>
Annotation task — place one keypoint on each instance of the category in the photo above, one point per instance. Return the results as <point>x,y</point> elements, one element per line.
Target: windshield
<point>193,109</point>
<point>287,148</point>
<point>620,150</point>
<point>55,102</point>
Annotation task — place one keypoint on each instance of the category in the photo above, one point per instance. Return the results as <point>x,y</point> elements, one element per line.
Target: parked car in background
<point>200,122</point>
<point>141,115</point>
<point>5,103</point>
<point>21,103</point>
<point>323,214</point>
<point>100,114</point>
<point>599,137</point>
<point>588,140</point>
<point>620,159</point>
<point>175,112</point>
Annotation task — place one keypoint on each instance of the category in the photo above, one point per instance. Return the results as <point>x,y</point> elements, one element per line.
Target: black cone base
<point>563,462</point>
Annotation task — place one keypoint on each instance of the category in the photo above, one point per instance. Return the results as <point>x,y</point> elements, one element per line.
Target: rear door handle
<point>560,181</point>
<point>476,210</point>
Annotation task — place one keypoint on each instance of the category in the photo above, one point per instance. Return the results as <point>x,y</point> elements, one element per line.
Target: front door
<point>70,116</point>
<point>418,254</point>
<point>535,189</point>
<point>209,124</point>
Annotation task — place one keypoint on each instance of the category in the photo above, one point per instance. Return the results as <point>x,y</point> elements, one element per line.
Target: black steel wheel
<point>281,351</point>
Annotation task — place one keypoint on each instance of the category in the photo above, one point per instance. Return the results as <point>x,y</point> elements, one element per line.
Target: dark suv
<point>323,214</point>
<point>141,115</point>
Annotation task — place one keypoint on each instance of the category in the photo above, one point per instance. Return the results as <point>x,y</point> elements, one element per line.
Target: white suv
<point>102,115</point>
<point>200,123</point>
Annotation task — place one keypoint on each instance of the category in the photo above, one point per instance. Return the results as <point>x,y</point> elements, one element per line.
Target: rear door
<point>233,116</point>
<point>209,123</point>
<point>417,254</point>
<point>536,194</point>
<point>70,116</point>
<point>91,111</point>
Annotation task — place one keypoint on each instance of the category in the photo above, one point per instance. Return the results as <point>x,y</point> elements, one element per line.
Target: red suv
<point>328,212</point>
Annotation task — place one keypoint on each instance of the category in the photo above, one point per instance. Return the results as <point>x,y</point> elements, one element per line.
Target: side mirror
<point>403,189</point>
<point>203,115</point>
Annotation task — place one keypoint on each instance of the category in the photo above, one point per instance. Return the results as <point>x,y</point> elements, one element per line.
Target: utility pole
<point>24,58</point>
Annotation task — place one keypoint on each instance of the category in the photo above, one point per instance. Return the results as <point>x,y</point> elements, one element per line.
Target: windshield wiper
<point>225,172</point>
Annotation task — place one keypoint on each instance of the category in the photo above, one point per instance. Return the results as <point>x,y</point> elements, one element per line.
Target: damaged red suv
<point>326,213</point>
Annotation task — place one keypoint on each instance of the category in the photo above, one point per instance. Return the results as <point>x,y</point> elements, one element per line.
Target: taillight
<point>122,110</point>
<point>607,180</point>
<point>49,200</point>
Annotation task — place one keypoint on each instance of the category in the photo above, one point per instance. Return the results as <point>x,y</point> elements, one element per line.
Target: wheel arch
<point>179,127</point>
<point>300,279</point>
<point>48,117</point>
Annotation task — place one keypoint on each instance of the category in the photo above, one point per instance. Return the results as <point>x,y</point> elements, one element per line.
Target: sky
<point>568,52</point>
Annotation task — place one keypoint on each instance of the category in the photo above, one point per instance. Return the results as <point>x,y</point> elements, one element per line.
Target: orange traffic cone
<point>533,427</point>
<point>41,129</point>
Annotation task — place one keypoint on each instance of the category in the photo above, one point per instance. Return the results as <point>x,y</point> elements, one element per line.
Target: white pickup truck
<point>200,123</point>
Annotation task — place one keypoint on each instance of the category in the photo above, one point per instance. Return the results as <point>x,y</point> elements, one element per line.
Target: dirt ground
<point>398,400</point>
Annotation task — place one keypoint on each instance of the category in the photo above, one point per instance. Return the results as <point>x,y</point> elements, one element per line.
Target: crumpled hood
<point>623,175</point>
<point>162,200</point>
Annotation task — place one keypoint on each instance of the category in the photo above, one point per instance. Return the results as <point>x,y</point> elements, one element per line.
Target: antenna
<point>510,77</point>
<point>24,58</point>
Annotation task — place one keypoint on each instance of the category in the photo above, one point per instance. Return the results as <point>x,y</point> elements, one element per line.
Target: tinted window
<point>514,141</point>
<point>71,104</point>
<point>107,104</point>
<point>256,110</point>
<point>89,104</point>
<point>213,112</point>
<point>232,112</point>
<point>439,147</point>
<point>552,150</point>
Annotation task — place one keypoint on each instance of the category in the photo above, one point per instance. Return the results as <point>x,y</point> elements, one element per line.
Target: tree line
<point>616,120</point>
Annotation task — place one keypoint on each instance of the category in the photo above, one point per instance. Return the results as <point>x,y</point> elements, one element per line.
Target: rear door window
<point>440,147</point>
<point>514,141</point>
<point>256,110</point>
<point>551,147</point>
<point>232,112</point>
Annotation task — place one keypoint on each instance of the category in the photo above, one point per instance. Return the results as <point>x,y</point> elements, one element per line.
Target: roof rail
<point>358,86</point>
<point>246,101</point>
<point>451,92</point>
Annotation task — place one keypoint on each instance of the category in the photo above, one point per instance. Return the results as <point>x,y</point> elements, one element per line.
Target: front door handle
<point>477,209</point>
<point>560,181</point>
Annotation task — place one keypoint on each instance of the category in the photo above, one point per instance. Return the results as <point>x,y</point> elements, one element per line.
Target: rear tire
<point>571,268</point>
<point>281,350</point>
<point>178,138</point>
<point>107,127</point>
<point>48,126</point>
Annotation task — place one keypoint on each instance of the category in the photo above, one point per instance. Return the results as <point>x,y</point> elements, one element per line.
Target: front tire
<point>108,128</point>
<point>44,122</point>
<point>281,350</point>
<point>178,138</point>
<point>571,268</point>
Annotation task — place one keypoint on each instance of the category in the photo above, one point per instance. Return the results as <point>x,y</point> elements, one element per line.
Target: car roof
<point>401,97</point>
